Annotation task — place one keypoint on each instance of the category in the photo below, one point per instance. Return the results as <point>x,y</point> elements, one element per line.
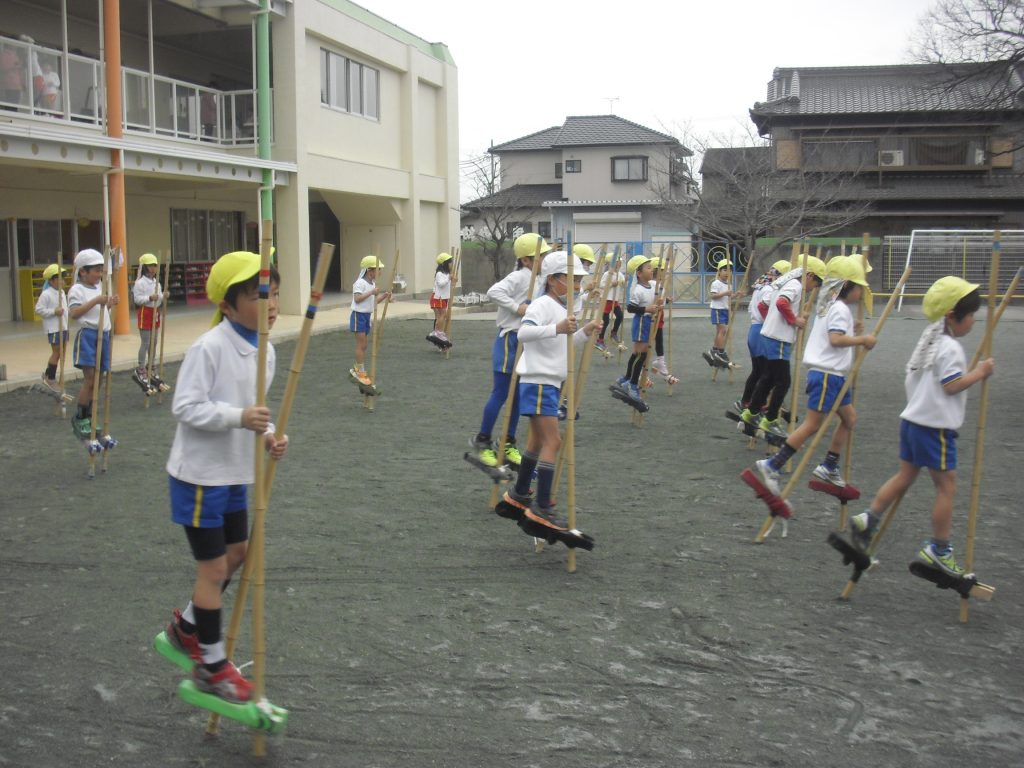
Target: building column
<point>115,187</point>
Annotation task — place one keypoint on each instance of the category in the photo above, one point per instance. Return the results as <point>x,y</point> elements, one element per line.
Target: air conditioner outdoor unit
<point>889,158</point>
<point>979,156</point>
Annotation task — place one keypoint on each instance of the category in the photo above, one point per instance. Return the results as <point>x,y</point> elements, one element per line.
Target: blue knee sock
<point>525,474</point>
<point>545,477</point>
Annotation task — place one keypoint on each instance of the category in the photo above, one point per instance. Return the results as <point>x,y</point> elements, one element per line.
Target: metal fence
<point>935,253</point>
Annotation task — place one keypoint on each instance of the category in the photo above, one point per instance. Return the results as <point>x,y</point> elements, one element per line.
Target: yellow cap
<point>372,262</point>
<point>860,257</point>
<point>814,265</point>
<point>637,261</point>
<point>231,268</point>
<point>782,266</point>
<point>944,295</point>
<point>584,252</point>
<point>525,246</point>
<point>847,268</point>
<point>52,271</point>
<point>443,257</point>
<point>723,264</point>
<point>148,258</point>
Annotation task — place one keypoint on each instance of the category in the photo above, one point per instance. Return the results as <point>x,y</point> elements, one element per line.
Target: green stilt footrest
<point>263,715</point>
<point>164,648</point>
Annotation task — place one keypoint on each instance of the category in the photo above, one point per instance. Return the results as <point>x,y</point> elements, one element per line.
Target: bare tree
<point>980,43</point>
<point>501,212</point>
<point>743,196</point>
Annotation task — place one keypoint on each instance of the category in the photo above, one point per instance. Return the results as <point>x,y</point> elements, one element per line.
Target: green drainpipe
<point>265,117</point>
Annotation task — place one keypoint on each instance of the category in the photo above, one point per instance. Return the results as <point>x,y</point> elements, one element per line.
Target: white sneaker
<point>769,475</point>
<point>658,366</point>
<point>833,476</point>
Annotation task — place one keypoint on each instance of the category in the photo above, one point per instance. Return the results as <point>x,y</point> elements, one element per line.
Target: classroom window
<point>200,235</point>
<point>573,166</point>
<point>349,86</point>
<point>629,169</point>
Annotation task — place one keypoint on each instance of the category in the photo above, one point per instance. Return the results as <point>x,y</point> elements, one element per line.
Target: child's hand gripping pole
<point>826,422</point>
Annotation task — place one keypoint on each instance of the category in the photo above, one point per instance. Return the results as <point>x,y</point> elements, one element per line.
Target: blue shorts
<point>822,389</point>
<point>773,349</point>
<point>929,447</point>
<point>359,322</point>
<point>719,316</point>
<point>641,328</point>
<point>754,340</point>
<point>503,352</point>
<point>85,349</point>
<point>204,506</point>
<point>539,399</point>
<point>55,337</point>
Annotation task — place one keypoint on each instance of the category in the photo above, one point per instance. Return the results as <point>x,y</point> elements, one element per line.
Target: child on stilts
<point>147,296</point>
<point>210,465</point>
<point>643,304</point>
<point>84,301</point>
<point>659,365</point>
<point>542,369</point>
<point>439,300</point>
<point>721,293</point>
<point>828,357</point>
<point>760,294</point>
<point>778,332</point>
<point>936,386</point>
<point>52,306</point>
<point>613,304</point>
<point>365,293</point>
<point>510,294</point>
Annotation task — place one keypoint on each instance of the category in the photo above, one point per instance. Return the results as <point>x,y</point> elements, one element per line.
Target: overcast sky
<point>670,65</point>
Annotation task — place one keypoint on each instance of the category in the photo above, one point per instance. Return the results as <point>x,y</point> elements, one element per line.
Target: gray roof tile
<point>588,131</point>
<point>524,196</point>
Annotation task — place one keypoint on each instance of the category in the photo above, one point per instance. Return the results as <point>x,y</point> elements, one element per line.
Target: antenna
<point>611,103</point>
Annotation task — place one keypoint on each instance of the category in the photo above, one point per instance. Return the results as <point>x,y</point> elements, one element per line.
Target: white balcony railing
<point>38,81</point>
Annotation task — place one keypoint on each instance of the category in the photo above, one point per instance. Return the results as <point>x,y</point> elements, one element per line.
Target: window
<point>558,170</point>
<point>629,169</point>
<point>349,85</point>
<point>573,166</point>
<point>200,235</point>
<point>544,229</point>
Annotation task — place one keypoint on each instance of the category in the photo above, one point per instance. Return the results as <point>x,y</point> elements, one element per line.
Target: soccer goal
<point>966,253</point>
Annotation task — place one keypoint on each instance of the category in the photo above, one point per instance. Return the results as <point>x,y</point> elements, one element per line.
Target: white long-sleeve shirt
<point>144,288</point>
<point>442,285</point>
<point>545,358</point>
<point>618,290</point>
<point>216,383</point>
<point>508,293</point>
<point>49,300</point>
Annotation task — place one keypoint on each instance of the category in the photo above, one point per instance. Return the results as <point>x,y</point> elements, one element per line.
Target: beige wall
<point>594,180</point>
<point>529,168</point>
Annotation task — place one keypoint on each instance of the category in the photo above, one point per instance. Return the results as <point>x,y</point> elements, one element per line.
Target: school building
<point>176,126</point>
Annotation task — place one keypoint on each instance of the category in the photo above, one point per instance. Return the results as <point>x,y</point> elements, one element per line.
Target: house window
<point>629,169</point>
<point>349,86</point>
<point>544,229</point>
<point>573,166</point>
<point>558,170</point>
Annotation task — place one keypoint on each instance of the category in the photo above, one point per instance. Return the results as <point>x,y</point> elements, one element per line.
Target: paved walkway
<point>24,351</point>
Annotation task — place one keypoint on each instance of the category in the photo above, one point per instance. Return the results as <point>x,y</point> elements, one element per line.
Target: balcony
<point>40,82</point>
<point>893,152</point>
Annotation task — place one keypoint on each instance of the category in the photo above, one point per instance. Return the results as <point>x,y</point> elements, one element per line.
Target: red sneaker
<point>183,641</point>
<point>226,683</point>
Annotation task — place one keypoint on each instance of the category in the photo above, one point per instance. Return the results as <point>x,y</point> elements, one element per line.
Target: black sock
<point>629,366</point>
<point>51,371</point>
<point>207,624</point>
<point>785,454</point>
<point>83,411</point>
<point>482,438</point>
<point>545,478</point>
<point>832,460</point>
<point>638,368</point>
<point>525,475</point>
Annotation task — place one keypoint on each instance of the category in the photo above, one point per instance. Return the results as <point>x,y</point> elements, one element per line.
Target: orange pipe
<point>116,203</point>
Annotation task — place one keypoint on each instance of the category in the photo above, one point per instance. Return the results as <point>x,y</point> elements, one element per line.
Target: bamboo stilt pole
<point>514,378</point>
<point>96,375</point>
<point>827,421</point>
<point>456,263</point>
<point>378,331</point>
<point>638,417</point>
<point>848,448</point>
<point>63,328</point>
<point>151,346</point>
<point>163,324</point>
<point>806,307</point>
<point>670,280</point>
<point>985,350</point>
<point>733,306</point>
<point>570,414</point>
<point>107,445</point>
